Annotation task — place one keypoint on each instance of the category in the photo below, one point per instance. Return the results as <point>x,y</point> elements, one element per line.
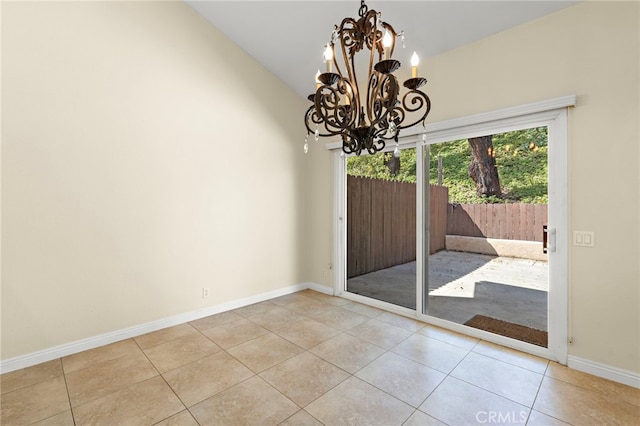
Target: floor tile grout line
<point>393,396</point>
<point>189,407</point>
<point>447,374</point>
<point>160,373</point>
<point>506,363</point>
<point>593,392</point>
<point>164,380</point>
<point>66,385</point>
<point>580,386</point>
<point>491,392</point>
<point>547,361</point>
<point>254,373</point>
<point>431,393</point>
<point>42,381</point>
<point>301,409</point>
<point>3,394</point>
<point>115,390</point>
<point>535,399</point>
<point>281,393</point>
<point>502,396</point>
<point>93,364</point>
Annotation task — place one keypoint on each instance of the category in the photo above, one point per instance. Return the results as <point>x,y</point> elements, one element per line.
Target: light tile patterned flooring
<point>309,359</point>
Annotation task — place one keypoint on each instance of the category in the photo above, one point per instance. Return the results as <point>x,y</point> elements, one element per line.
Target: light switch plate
<point>583,238</point>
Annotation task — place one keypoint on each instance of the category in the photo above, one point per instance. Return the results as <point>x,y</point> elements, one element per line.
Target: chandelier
<point>364,117</point>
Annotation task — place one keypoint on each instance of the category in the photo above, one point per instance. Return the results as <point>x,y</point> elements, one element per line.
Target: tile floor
<point>309,359</point>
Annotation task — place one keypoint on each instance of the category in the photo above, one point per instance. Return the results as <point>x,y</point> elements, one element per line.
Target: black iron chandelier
<point>364,119</point>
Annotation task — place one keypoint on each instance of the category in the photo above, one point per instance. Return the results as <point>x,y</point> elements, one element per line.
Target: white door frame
<point>551,113</point>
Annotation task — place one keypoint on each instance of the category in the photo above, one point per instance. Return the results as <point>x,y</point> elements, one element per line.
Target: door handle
<point>551,239</point>
<point>548,239</point>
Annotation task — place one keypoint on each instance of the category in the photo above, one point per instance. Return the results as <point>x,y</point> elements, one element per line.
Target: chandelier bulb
<point>387,41</point>
<point>317,134</point>
<point>328,56</point>
<point>415,60</point>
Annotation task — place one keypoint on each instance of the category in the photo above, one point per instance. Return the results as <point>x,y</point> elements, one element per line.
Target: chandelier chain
<point>363,9</point>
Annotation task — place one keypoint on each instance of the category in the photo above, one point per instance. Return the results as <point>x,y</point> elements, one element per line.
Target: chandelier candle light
<point>364,119</point>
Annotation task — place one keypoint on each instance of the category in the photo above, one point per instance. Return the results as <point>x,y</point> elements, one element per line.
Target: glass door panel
<point>487,207</point>
<point>381,227</point>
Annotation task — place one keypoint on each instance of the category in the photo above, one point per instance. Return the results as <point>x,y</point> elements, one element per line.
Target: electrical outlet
<point>205,292</point>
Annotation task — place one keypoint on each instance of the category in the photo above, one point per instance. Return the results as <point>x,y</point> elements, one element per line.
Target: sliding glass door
<point>492,265</point>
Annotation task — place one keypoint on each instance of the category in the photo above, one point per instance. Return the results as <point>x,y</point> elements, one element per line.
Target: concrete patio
<point>462,285</point>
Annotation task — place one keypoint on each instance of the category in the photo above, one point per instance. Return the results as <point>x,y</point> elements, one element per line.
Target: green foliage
<point>521,158</point>
<point>373,166</point>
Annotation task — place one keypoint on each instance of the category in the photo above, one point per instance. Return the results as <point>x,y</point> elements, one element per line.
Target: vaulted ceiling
<point>287,37</point>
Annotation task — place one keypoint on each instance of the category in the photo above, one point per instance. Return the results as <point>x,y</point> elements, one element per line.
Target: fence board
<point>505,221</point>
<point>381,223</point>
<point>438,211</point>
<point>515,214</point>
<point>524,221</point>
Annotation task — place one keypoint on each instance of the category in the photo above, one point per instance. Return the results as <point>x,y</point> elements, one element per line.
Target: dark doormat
<point>509,329</point>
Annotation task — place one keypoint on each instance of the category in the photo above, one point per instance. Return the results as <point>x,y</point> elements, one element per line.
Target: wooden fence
<point>381,223</point>
<point>506,221</point>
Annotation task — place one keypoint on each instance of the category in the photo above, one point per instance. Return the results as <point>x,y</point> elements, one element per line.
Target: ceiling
<point>287,37</point>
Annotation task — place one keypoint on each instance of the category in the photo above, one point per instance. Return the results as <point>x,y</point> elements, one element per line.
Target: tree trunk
<point>482,168</point>
<point>393,164</point>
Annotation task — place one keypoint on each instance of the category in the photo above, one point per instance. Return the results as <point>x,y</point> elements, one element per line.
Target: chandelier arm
<point>313,117</point>
<point>329,114</point>
<point>377,145</point>
<point>347,40</point>
<point>307,117</point>
<point>345,88</point>
<point>347,33</point>
<point>417,102</point>
<point>372,39</point>
<point>335,60</point>
<point>382,95</point>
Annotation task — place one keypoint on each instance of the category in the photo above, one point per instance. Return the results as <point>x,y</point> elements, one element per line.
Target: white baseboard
<point>66,349</point>
<point>320,288</point>
<point>615,374</point>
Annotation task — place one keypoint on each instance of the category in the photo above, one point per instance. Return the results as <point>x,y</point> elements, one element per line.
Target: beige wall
<point>591,50</point>
<point>144,156</point>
